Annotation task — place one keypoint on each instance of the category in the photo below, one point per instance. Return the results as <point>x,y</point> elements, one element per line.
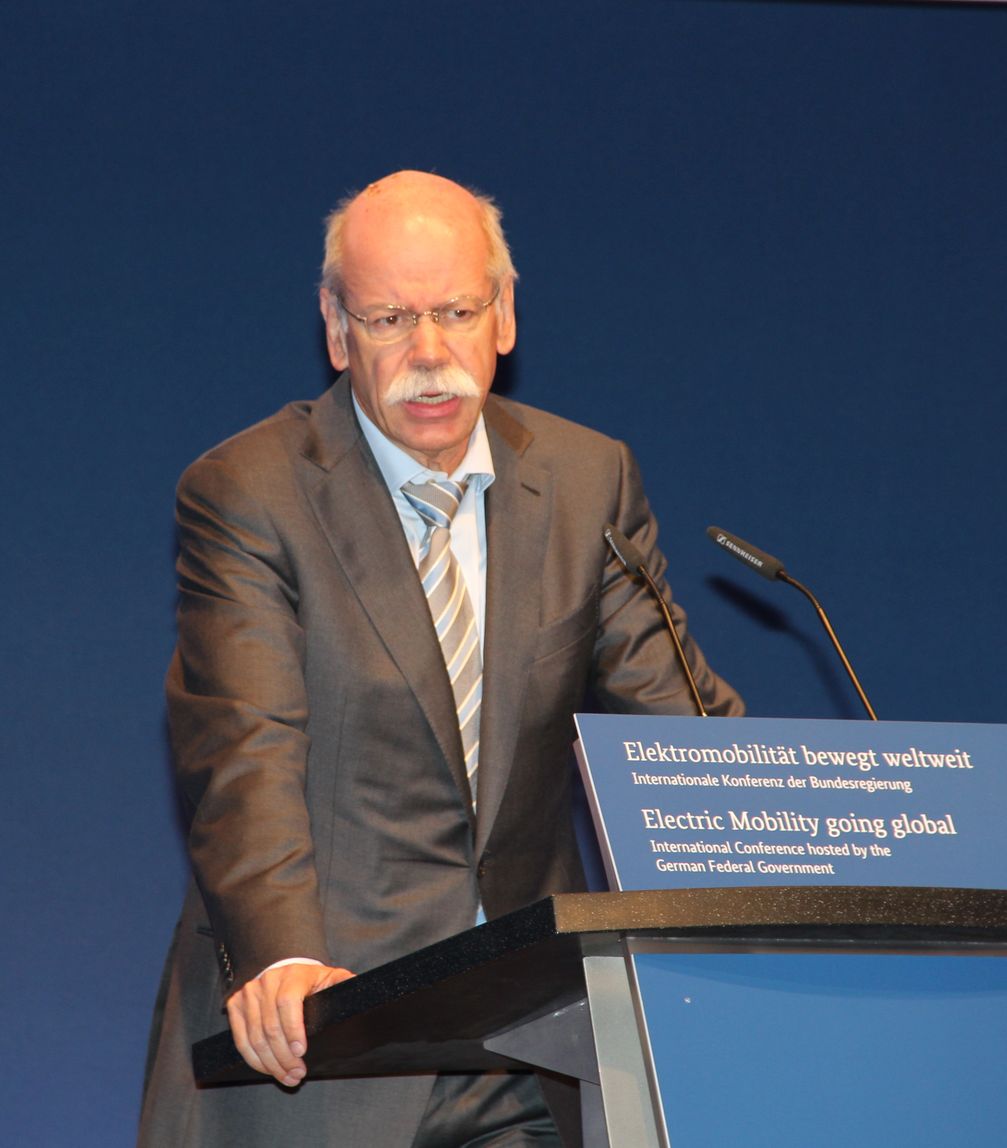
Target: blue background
<point>764,243</point>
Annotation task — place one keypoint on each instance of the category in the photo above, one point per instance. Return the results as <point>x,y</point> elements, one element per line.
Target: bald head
<point>406,197</point>
<point>381,220</point>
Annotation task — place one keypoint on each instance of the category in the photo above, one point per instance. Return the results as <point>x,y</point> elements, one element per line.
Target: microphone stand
<point>632,561</point>
<point>823,617</point>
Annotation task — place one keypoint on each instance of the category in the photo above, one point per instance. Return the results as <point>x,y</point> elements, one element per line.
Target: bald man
<point>370,768</point>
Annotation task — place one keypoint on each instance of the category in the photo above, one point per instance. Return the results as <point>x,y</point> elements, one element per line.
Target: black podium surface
<point>434,1009</point>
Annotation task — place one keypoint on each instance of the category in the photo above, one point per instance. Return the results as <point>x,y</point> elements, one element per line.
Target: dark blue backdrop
<point>764,243</point>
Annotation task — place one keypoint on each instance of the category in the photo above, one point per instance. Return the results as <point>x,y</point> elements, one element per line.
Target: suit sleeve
<point>635,666</point>
<point>237,709</point>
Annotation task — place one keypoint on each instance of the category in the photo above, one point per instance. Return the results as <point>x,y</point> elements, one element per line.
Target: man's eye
<point>386,322</point>
<point>459,314</point>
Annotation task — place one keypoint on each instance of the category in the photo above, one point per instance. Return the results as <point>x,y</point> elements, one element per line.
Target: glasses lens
<point>387,325</point>
<point>461,314</point>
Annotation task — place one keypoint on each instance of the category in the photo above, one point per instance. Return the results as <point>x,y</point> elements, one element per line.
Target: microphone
<point>772,568</point>
<point>761,562</point>
<point>632,560</point>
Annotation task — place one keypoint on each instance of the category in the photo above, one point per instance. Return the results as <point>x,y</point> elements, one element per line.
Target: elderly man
<point>392,600</point>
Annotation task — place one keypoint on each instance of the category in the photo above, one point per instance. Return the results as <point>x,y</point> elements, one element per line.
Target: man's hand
<point>267,1018</point>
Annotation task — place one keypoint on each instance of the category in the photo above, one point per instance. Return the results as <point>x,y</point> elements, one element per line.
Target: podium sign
<point>692,802</point>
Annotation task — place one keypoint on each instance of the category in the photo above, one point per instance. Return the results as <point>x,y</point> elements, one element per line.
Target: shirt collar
<point>398,468</point>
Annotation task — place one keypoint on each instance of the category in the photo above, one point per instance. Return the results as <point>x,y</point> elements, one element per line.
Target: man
<point>353,800</point>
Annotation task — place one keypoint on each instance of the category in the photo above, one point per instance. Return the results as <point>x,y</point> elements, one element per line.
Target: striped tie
<point>451,610</point>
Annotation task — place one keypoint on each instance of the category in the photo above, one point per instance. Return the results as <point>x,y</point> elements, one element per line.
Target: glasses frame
<point>434,314</point>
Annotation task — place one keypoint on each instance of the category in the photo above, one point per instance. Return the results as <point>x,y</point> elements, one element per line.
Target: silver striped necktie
<point>451,610</point>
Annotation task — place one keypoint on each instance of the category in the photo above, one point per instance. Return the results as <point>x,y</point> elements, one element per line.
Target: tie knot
<point>435,502</point>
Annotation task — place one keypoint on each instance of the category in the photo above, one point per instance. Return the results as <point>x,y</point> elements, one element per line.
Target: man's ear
<point>335,335</point>
<point>506,322</point>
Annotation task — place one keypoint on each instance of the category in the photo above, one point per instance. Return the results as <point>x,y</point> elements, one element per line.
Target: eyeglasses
<point>390,323</point>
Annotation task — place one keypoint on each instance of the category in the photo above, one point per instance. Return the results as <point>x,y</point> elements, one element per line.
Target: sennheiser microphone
<point>632,560</point>
<point>761,562</point>
<point>772,568</point>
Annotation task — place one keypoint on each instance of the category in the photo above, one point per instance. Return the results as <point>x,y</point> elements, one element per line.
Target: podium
<point>864,1001</point>
<point>552,986</point>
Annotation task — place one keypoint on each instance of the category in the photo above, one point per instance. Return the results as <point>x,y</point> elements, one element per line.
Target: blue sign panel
<point>775,1050</point>
<point>699,803</point>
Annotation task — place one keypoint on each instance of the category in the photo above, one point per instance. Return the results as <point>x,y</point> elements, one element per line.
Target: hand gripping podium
<point>806,951</point>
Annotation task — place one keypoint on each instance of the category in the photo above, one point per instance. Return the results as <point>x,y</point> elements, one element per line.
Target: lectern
<point>556,986</point>
<point>864,1001</point>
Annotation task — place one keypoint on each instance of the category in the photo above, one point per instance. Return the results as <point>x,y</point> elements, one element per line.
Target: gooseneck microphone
<point>772,568</point>
<point>632,561</point>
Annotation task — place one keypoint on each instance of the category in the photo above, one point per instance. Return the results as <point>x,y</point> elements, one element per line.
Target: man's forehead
<point>415,233</point>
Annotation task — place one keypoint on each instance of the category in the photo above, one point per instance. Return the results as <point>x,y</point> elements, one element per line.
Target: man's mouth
<point>433,400</point>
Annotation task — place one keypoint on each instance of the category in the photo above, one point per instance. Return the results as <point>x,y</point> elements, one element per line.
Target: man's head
<point>417,242</point>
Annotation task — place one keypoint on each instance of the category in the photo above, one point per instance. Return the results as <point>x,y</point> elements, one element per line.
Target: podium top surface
<point>432,1009</point>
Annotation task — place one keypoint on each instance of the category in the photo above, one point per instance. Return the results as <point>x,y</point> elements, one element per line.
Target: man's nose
<point>428,347</point>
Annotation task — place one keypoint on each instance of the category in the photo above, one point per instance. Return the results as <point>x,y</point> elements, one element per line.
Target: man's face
<point>419,255</point>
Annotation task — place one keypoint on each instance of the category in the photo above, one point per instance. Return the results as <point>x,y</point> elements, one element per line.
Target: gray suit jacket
<point>315,735</point>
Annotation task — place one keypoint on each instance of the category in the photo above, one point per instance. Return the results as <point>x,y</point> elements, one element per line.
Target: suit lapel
<point>517,526</point>
<point>359,520</point>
